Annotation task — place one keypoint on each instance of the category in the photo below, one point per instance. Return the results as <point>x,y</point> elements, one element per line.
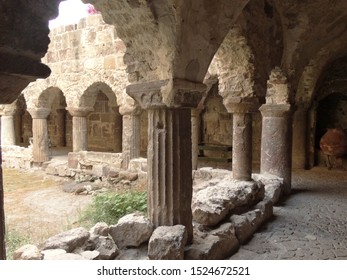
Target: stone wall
<point>79,56</point>
<point>102,125</point>
<point>217,125</point>
<point>16,157</point>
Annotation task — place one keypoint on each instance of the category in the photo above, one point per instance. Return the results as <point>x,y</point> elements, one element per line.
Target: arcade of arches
<point>249,86</point>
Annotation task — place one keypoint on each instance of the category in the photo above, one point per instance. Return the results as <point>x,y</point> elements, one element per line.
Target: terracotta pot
<point>334,142</point>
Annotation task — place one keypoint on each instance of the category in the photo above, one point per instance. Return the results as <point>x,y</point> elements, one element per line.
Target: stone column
<point>195,137</point>
<point>79,127</point>
<point>40,134</point>
<point>276,137</point>
<point>300,137</point>
<point>131,139</point>
<point>169,155</point>
<point>242,137</point>
<point>8,134</point>
<point>276,142</point>
<point>61,127</point>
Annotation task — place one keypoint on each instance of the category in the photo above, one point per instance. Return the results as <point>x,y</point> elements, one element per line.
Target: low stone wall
<point>17,157</point>
<point>99,163</point>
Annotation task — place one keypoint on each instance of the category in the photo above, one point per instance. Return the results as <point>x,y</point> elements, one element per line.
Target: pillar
<point>131,138</point>
<point>169,155</point>
<point>79,128</point>
<point>40,134</point>
<point>276,142</point>
<point>242,138</point>
<point>195,137</point>
<point>170,167</point>
<point>8,134</point>
<point>300,137</point>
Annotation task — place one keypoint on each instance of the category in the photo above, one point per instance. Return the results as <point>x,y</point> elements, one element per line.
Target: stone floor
<point>310,224</point>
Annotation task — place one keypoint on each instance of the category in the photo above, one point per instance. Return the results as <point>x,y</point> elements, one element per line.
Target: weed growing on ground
<point>15,240</point>
<point>109,207</point>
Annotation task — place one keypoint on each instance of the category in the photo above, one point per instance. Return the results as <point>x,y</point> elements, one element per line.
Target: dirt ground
<point>36,206</point>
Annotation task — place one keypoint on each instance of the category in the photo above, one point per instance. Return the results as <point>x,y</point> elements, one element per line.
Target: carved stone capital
<point>8,110</point>
<point>276,110</point>
<point>167,94</point>
<point>79,111</point>
<point>39,113</point>
<point>239,105</point>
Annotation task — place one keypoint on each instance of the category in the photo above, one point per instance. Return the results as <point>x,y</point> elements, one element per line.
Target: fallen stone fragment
<point>100,229</point>
<point>167,243</point>
<point>216,244</point>
<point>131,230</point>
<point>106,247</point>
<point>68,240</point>
<point>27,252</point>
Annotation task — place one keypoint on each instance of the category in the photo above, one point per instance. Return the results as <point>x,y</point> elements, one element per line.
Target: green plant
<point>14,240</point>
<point>109,207</point>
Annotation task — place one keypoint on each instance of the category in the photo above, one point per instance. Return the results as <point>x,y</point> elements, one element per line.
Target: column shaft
<point>195,137</point>
<point>8,135</point>
<point>131,138</point>
<point>40,140</point>
<point>170,167</point>
<point>242,146</point>
<point>79,133</point>
<point>276,143</point>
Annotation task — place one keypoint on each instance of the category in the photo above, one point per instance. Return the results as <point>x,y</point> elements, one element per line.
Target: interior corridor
<point>310,224</point>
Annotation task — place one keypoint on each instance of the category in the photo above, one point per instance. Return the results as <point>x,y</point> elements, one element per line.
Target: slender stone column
<point>276,144</point>
<point>8,135</point>
<point>40,134</point>
<point>242,138</point>
<point>169,155</point>
<point>79,128</point>
<point>131,138</point>
<point>195,137</point>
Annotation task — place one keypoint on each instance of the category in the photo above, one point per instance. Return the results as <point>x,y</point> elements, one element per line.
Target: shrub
<point>109,207</point>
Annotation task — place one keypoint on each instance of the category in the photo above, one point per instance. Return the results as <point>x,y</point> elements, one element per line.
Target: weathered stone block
<point>52,253</point>
<point>216,244</point>
<point>68,240</point>
<point>167,243</point>
<point>243,228</point>
<point>107,248</point>
<point>131,231</point>
<point>100,229</point>
<point>212,204</point>
<point>27,252</point>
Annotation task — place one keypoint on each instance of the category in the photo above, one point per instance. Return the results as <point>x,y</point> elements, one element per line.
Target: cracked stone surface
<point>310,225</point>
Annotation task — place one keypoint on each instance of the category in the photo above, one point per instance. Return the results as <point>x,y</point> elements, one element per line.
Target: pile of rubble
<point>226,213</point>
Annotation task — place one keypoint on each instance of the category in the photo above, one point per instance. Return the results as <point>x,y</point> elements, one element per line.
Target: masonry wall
<point>101,126</point>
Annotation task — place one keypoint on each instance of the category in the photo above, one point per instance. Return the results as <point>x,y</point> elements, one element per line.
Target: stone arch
<point>59,123</point>
<point>233,65</point>
<point>327,95</point>
<point>22,122</point>
<point>104,121</point>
